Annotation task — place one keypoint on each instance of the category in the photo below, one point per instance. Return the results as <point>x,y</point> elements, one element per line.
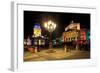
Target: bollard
<point>35,49</point>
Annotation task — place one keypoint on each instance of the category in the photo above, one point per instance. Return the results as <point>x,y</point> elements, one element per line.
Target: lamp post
<point>50,26</point>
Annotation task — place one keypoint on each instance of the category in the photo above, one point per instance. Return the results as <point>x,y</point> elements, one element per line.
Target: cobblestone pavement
<point>58,54</point>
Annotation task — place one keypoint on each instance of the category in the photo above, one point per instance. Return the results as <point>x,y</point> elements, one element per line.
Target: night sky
<point>62,20</point>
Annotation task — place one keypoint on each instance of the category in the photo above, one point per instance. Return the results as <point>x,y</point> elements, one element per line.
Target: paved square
<point>59,54</point>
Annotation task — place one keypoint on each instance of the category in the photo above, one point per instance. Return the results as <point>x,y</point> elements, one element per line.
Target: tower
<point>37,30</point>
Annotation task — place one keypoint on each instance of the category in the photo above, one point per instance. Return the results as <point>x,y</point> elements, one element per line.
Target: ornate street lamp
<point>50,26</point>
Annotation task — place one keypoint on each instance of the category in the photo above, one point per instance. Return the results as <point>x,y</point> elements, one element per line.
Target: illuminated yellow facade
<point>37,31</point>
<point>70,36</point>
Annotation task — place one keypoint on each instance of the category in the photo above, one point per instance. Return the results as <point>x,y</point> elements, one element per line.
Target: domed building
<point>37,30</point>
<point>39,40</point>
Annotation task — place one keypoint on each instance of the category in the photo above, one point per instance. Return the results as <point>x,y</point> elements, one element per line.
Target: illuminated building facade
<point>70,35</point>
<point>84,37</point>
<point>76,36</point>
<point>37,30</point>
<point>37,36</point>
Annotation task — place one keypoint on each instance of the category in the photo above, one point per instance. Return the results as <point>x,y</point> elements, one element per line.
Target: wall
<point>5,27</point>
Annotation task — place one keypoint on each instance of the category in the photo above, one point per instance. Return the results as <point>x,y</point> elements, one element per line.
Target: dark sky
<point>62,20</point>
